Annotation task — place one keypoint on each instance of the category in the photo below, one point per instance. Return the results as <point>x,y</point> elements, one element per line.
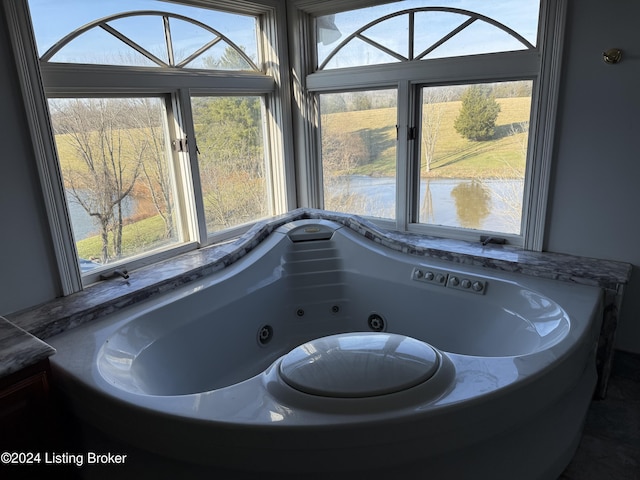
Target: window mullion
<point>192,214</point>
<point>279,139</point>
<point>277,182</point>
<point>415,160</point>
<point>403,156</point>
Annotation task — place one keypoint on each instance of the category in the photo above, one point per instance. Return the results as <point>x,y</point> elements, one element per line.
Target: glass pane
<point>473,153</point>
<point>359,152</point>
<point>466,42</point>
<point>232,160</point>
<point>52,21</point>
<point>114,158</point>
<point>186,38</point>
<point>522,17</point>
<point>396,43</point>
<point>358,52</point>
<point>112,52</point>
<point>431,27</point>
<point>221,57</point>
<point>146,31</point>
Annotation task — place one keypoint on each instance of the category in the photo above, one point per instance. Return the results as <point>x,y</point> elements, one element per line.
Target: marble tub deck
<point>101,299</point>
<point>19,349</point>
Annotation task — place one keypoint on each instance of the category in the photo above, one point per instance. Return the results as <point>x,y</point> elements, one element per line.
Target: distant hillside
<point>454,156</point>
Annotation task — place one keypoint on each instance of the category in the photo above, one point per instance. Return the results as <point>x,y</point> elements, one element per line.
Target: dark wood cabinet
<point>25,409</point>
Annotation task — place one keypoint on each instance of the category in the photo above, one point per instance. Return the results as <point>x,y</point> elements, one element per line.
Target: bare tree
<point>433,106</point>
<point>147,117</point>
<point>105,170</point>
<point>426,210</point>
<point>509,189</point>
<point>518,129</point>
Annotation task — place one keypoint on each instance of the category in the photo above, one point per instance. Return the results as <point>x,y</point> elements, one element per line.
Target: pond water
<point>84,225</point>
<point>493,205</point>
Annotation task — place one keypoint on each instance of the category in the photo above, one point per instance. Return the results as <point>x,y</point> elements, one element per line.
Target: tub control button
<point>454,280</point>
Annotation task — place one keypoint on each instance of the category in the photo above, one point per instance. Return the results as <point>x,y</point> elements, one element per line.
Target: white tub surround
<point>107,297</point>
<point>321,351</point>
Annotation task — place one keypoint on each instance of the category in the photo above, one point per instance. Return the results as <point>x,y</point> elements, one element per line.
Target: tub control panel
<point>459,281</point>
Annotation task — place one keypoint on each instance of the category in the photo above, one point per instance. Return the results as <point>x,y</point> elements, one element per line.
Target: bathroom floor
<point>610,445</point>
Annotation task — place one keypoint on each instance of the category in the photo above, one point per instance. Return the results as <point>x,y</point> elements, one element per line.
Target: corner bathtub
<point>321,354</point>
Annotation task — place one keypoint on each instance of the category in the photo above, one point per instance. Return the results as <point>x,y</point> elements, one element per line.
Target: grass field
<point>139,236</point>
<point>455,156</point>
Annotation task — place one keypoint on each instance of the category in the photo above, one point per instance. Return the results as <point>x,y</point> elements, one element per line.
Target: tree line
<point>369,100</point>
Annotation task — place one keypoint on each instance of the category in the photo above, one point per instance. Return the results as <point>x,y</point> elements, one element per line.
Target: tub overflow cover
<point>359,365</point>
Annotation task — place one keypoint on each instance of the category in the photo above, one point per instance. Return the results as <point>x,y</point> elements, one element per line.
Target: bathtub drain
<point>265,333</point>
<point>376,322</point>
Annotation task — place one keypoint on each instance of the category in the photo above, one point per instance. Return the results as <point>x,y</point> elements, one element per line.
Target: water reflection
<point>473,202</point>
<point>494,204</point>
<point>426,210</point>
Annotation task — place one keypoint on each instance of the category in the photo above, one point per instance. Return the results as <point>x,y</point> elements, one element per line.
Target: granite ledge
<point>606,274</point>
<point>103,298</point>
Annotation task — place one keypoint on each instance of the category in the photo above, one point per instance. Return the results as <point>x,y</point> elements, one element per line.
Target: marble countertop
<point>19,349</point>
<point>103,298</point>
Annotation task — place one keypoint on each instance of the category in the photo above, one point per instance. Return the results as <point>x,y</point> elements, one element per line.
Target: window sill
<point>100,299</point>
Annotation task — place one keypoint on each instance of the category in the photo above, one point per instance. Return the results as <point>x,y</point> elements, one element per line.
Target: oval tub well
<point>322,353</point>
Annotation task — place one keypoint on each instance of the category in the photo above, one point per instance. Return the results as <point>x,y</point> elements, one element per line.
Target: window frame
<point>542,65</point>
<point>40,81</point>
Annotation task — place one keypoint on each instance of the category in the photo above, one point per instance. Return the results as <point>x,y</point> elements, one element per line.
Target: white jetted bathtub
<point>321,354</point>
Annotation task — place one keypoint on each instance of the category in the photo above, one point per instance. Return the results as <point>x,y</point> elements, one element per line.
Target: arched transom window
<point>421,33</point>
<point>157,47</point>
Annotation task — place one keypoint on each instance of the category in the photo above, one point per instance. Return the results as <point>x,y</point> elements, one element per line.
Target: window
<point>114,158</point>
<point>472,150</point>
<point>160,128</point>
<point>233,160</point>
<point>359,152</point>
<point>463,150</point>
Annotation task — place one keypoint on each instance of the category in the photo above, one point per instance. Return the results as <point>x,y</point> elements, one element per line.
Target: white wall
<point>27,269</point>
<point>596,182</point>
<point>595,188</point>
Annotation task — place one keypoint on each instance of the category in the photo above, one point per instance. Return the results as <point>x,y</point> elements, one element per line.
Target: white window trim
<point>543,64</point>
<point>553,19</point>
<point>46,156</point>
<point>275,85</point>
